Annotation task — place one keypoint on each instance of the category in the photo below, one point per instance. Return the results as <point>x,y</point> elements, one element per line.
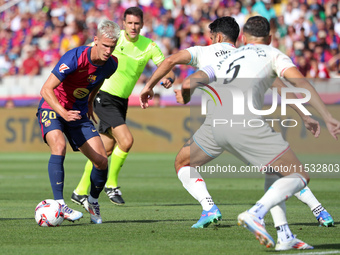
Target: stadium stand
<point>306,30</point>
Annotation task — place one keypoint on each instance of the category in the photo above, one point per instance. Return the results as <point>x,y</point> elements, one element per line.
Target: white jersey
<point>202,56</point>
<point>243,74</point>
<point>250,68</point>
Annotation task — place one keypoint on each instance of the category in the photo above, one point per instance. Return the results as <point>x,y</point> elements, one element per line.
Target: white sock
<point>194,183</point>
<point>61,201</point>
<point>92,200</point>
<point>284,234</point>
<point>280,191</point>
<point>278,212</point>
<point>259,210</point>
<point>306,196</point>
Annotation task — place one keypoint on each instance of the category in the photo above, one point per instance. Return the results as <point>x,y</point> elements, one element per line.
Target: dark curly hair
<point>227,26</point>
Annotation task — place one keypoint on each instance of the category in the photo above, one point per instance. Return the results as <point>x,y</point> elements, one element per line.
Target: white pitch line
<point>314,253</point>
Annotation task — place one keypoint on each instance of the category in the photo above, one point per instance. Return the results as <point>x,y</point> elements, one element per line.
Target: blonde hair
<point>108,29</point>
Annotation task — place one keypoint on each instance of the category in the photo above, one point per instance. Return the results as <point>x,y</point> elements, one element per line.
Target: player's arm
<point>191,82</point>
<point>294,76</point>
<point>92,96</point>
<point>47,92</point>
<point>164,69</point>
<point>168,79</point>
<point>181,57</point>
<point>311,124</point>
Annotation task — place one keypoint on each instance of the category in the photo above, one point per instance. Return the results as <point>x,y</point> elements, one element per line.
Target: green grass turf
<point>158,213</point>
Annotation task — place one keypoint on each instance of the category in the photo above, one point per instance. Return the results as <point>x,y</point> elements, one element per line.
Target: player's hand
<point>144,97</point>
<point>167,82</point>
<point>179,96</point>
<point>90,114</point>
<point>333,127</point>
<point>312,125</point>
<point>72,115</point>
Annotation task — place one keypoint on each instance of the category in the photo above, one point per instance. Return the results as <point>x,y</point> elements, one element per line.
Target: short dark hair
<point>135,11</point>
<point>227,26</point>
<point>257,26</point>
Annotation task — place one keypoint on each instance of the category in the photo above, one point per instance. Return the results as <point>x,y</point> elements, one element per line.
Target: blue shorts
<point>77,132</point>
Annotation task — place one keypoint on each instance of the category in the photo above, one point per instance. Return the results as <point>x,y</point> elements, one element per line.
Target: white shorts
<point>258,146</point>
<point>204,139</point>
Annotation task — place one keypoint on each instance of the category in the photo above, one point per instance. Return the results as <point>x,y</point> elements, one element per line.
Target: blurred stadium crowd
<point>35,33</point>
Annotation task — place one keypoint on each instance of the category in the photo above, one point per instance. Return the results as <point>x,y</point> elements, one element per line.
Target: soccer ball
<point>49,213</point>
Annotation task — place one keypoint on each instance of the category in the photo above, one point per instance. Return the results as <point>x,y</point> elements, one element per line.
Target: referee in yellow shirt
<point>133,52</point>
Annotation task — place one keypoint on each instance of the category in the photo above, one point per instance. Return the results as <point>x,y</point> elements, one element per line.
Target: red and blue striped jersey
<point>79,76</point>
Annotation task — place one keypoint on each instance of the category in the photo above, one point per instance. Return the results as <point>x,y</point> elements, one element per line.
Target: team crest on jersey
<point>47,123</point>
<point>92,78</point>
<point>63,67</point>
<point>80,93</point>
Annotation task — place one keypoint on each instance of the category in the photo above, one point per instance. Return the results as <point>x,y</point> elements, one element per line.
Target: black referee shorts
<point>111,110</point>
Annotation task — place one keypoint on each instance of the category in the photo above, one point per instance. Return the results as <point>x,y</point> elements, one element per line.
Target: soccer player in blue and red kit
<point>66,108</point>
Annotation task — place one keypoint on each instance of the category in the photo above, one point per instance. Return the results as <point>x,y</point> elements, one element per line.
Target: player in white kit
<point>259,65</point>
<point>202,148</point>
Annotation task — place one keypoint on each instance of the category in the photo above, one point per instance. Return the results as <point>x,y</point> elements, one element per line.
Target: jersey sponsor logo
<point>80,93</point>
<point>92,78</point>
<point>63,67</point>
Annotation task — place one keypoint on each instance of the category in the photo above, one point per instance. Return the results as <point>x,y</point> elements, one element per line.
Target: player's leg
<point>124,141</point>
<point>111,111</point>
<point>79,195</point>
<point>291,182</point>
<point>54,137</point>
<point>306,196</point>
<point>57,144</point>
<point>94,150</point>
<point>109,115</point>
<point>190,156</point>
<point>56,141</point>
<point>322,216</point>
<point>279,191</point>
<point>285,238</point>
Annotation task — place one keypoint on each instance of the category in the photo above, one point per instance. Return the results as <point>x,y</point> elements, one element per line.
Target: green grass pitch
<point>158,214</point>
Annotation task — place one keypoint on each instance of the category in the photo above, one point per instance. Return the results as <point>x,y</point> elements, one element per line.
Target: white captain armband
<point>210,72</point>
